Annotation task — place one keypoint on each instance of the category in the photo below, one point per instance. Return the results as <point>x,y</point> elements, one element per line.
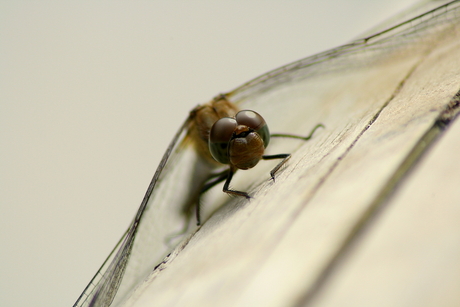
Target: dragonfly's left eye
<point>256,122</point>
<point>220,135</point>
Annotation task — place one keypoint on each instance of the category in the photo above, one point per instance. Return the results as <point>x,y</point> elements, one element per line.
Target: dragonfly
<point>187,165</point>
<point>222,134</point>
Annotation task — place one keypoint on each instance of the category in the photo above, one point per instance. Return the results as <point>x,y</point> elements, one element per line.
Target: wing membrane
<point>143,245</point>
<point>413,35</point>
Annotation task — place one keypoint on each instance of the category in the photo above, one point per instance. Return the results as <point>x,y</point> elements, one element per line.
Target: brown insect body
<point>201,120</point>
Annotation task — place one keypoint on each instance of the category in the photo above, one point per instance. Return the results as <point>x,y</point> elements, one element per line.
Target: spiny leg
<point>293,136</point>
<point>227,183</point>
<point>214,180</point>
<point>285,157</point>
<point>226,175</point>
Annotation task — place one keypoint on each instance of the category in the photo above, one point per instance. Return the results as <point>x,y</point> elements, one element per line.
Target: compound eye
<point>250,119</point>
<point>222,130</point>
<point>219,138</point>
<point>256,122</point>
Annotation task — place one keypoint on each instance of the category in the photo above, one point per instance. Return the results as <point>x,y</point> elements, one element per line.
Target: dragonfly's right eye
<point>220,135</point>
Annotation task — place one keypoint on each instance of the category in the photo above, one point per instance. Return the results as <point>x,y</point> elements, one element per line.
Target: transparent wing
<point>384,58</point>
<point>414,35</point>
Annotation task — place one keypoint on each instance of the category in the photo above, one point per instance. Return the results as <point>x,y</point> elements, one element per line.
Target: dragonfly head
<point>239,140</point>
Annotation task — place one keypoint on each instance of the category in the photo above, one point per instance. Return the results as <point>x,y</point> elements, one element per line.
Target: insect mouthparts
<point>241,134</point>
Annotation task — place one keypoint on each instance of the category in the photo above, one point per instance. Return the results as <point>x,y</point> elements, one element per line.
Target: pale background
<point>92,92</point>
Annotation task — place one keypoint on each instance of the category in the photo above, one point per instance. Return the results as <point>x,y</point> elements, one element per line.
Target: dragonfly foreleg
<point>285,157</point>
<point>231,171</point>
<point>226,175</point>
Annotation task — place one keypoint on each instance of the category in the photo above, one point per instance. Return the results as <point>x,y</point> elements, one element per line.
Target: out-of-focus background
<point>92,92</point>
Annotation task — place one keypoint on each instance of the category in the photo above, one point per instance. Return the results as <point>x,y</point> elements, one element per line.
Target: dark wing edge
<point>395,37</point>
<point>103,287</point>
<point>97,277</point>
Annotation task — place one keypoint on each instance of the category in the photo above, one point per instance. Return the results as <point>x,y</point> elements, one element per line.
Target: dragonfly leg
<point>226,175</point>
<point>227,183</point>
<point>214,180</point>
<point>285,157</point>
<point>293,136</point>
